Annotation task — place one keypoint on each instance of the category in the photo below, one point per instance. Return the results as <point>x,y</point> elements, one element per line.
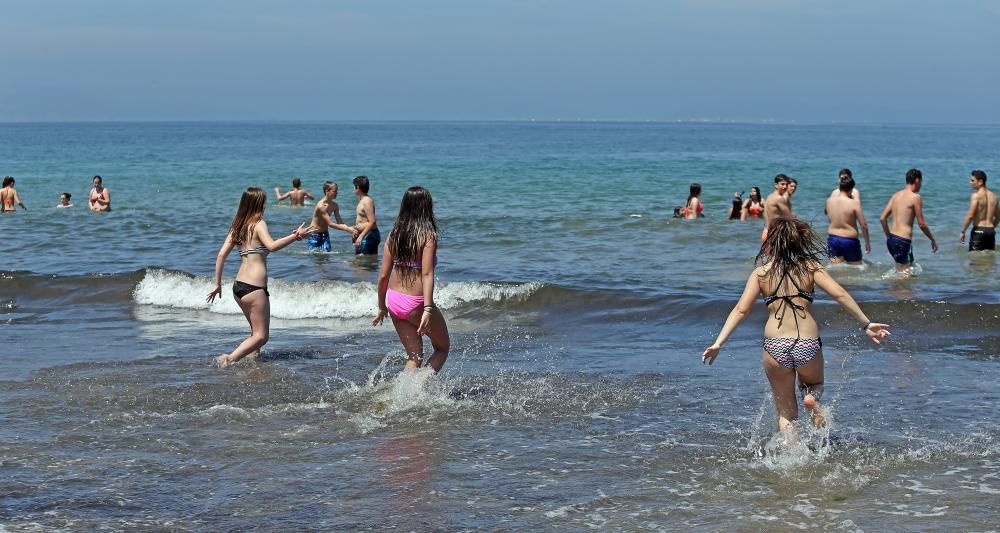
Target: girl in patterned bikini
<point>788,267</point>
<point>249,234</point>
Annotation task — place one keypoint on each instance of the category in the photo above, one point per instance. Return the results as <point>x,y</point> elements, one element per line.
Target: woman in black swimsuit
<point>249,233</point>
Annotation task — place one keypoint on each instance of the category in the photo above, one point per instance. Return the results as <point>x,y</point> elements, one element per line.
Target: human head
<point>791,247</point>
<point>755,194</point>
<point>978,179</point>
<point>330,190</point>
<point>913,176</point>
<point>296,182</point>
<point>361,184</point>
<point>414,225</point>
<point>781,183</point>
<point>98,181</point>
<point>64,198</point>
<point>847,185</point>
<point>8,181</point>
<point>251,210</point>
<point>845,172</point>
<point>694,190</point>
<point>792,185</point>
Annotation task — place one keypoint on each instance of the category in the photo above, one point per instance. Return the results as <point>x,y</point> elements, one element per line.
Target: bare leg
<point>256,308</point>
<point>783,388</point>
<point>811,384</point>
<point>412,342</point>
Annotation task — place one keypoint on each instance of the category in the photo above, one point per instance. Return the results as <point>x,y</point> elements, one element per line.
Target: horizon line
<point>705,121</point>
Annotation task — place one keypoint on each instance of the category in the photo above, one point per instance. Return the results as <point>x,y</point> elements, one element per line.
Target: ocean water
<point>574,396</point>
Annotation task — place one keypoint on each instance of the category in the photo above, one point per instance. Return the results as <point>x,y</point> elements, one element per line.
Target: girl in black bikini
<point>249,233</point>
<point>790,262</point>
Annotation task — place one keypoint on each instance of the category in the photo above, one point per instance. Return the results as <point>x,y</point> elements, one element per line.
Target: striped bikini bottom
<point>791,352</point>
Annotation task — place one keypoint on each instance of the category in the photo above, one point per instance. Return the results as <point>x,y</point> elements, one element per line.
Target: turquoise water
<point>578,308</point>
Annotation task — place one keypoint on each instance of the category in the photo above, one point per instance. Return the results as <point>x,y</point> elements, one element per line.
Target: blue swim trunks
<point>369,245</point>
<point>846,247</point>
<point>319,240</point>
<point>901,249</point>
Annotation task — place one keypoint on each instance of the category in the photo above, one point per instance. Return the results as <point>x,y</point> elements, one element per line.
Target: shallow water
<point>573,397</point>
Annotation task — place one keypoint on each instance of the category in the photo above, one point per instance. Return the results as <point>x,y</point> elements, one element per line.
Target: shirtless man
<point>322,221</point>
<point>297,194</point>
<point>844,211</point>
<point>9,196</point>
<point>100,196</point>
<point>368,238</point>
<point>776,205</point>
<point>984,214</point>
<point>905,206</point>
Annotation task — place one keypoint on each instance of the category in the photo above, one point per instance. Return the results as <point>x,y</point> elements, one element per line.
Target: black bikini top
<point>805,295</point>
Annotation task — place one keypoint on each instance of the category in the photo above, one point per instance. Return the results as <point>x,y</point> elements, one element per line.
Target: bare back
<point>843,213</point>
<point>986,211</point>
<point>792,316</point>
<point>902,207</point>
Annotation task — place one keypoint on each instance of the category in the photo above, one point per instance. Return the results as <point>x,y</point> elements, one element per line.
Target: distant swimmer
<point>100,196</point>
<point>248,233</point>
<point>693,208</point>
<point>777,204</point>
<point>845,214</point>
<point>9,196</point>
<point>325,216</point>
<point>736,211</point>
<point>905,206</point>
<point>368,238</point>
<point>64,200</point>
<point>406,281</point>
<point>754,206</point>
<point>298,195</point>
<point>789,267</point>
<point>984,214</point>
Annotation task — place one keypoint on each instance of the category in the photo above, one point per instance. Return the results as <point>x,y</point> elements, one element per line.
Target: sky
<point>632,60</point>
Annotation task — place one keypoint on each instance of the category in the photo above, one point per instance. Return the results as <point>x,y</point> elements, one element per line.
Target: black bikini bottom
<point>241,289</point>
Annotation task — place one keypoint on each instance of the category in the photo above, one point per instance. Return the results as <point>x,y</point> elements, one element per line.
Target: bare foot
<point>815,411</point>
<point>223,360</point>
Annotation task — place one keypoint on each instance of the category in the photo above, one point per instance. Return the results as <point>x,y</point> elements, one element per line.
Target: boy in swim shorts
<point>905,207</point>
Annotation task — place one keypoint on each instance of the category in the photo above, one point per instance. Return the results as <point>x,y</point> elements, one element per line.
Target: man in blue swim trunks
<point>905,206</point>
<point>368,238</point>
<point>319,240</point>
<point>843,208</point>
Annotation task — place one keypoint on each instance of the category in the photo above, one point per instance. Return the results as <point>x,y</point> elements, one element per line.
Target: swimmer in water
<point>693,208</point>
<point>777,204</point>
<point>368,238</point>
<point>406,281</point>
<point>9,196</point>
<point>905,207</point>
<point>754,206</point>
<point>845,215</point>
<point>64,200</point>
<point>249,235</point>
<point>325,216</point>
<point>789,267</point>
<point>298,195</point>
<point>984,214</point>
<point>100,196</point>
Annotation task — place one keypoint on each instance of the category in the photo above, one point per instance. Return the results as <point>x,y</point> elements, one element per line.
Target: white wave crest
<point>309,299</point>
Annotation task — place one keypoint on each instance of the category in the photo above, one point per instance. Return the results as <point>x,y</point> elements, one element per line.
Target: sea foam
<point>310,299</point>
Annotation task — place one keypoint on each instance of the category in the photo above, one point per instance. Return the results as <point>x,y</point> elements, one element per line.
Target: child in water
<point>789,268</point>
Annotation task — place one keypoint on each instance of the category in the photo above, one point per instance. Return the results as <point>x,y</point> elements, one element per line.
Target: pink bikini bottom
<point>402,305</point>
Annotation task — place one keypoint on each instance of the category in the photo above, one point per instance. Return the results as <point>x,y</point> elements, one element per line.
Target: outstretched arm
<point>825,281</point>
<point>277,193</point>
<point>340,222</point>
<point>739,313</point>
<point>308,195</point>
<point>918,209</point>
<point>273,245</point>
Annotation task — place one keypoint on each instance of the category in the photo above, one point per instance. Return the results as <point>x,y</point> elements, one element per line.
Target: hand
<point>877,332</point>
<point>216,292</point>
<point>425,321</point>
<point>380,316</point>
<point>934,247</point>
<point>710,354</point>
<point>961,237</point>
<point>354,233</point>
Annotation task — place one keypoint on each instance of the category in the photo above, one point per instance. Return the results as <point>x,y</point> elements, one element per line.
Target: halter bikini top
<point>258,250</point>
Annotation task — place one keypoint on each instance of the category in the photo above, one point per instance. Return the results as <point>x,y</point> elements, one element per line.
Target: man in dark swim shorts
<point>905,207</point>
<point>900,249</point>
<point>984,214</point>
<point>846,247</point>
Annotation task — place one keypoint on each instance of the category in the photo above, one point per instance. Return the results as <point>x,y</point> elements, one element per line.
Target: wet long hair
<point>694,191</point>
<point>414,226</point>
<point>791,249</point>
<point>7,180</point>
<point>755,195</point>
<point>249,213</point>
